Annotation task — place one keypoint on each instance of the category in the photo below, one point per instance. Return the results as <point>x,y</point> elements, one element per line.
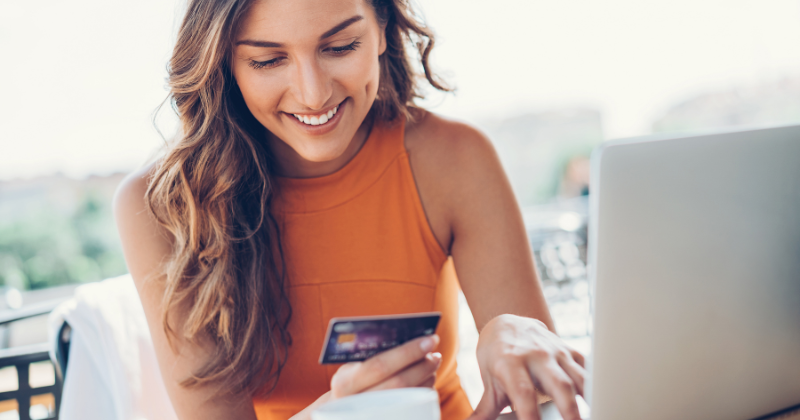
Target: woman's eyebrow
<point>331,32</point>
<point>262,44</point>
<point>341,26</point>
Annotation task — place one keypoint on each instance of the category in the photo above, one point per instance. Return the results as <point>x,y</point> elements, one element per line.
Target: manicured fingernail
<point>428,343</point>
<point>436,357</point>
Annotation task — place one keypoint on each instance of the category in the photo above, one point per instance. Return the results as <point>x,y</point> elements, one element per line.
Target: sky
<point>78,92</point>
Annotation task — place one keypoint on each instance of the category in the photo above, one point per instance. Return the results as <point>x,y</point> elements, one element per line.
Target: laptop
<point>694,262</point>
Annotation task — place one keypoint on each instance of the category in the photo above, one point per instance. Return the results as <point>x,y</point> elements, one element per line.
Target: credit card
<point>355,339</point>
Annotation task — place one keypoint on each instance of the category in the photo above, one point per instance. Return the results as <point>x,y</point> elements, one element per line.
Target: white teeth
<point>317,120</point>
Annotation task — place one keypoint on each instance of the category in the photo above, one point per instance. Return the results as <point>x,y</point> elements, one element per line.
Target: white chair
<point>111,370</point>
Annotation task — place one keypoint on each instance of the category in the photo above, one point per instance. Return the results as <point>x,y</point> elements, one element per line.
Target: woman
<point>305,186</point>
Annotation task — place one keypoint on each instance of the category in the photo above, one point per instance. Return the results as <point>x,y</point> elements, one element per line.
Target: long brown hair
<point>213,189</point>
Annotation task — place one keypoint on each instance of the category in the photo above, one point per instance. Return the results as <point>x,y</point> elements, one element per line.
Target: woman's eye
<point>344,49</point>
<point>265,64</point>
<point>276,61</point>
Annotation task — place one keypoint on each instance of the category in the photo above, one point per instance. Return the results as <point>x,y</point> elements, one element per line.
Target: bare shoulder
<point>457,172</point>
<point>446,140</point>
<point>129,198</point>
<point>144,241</point>
<point>451,157</point>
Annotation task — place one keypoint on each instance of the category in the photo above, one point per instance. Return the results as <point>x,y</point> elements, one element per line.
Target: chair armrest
<point>29,311</point>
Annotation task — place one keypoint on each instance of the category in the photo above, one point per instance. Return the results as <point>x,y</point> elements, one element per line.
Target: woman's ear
<point>382,44</point>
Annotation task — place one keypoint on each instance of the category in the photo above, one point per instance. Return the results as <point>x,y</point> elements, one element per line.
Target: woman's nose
<point>312,84</point>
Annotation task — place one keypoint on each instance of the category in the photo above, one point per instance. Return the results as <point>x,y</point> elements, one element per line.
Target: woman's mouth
<point>319,119</point>
<point>321,123</point>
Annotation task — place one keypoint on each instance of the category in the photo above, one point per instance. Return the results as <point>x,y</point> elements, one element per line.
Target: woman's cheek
<point>260,93</point>
<point>360,70</point>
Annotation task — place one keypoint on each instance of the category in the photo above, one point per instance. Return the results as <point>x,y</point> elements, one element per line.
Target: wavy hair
<point>213,188</point>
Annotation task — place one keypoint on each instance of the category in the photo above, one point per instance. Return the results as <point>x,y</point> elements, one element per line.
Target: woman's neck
<point>291,165</point>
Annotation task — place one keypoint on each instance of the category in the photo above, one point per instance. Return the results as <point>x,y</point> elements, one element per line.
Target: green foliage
<point>48,248</point>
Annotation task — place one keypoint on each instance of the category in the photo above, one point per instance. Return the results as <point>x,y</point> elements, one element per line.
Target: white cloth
<point>112,372</point>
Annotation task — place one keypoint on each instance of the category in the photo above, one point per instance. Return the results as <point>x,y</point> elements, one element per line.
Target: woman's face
<point>308,71</point>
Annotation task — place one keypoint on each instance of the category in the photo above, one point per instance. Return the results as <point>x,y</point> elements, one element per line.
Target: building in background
<point>537,149</point>
<point>763,104</point>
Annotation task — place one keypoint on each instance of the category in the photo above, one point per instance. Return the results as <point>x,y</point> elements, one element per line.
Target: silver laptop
<point>694,253</point>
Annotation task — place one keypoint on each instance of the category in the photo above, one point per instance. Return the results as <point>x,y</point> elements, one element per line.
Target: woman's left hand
<point>518,356</point>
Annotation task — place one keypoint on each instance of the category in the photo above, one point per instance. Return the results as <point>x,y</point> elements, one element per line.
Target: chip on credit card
<point>355,339</point>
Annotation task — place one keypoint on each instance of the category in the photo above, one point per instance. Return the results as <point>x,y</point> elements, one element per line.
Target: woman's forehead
<point>284,21</point>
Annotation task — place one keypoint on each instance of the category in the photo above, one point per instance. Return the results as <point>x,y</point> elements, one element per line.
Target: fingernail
<point>436,357</point>
<point>428,343</point>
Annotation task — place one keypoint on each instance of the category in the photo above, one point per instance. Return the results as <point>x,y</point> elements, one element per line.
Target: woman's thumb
<point>487,408</point>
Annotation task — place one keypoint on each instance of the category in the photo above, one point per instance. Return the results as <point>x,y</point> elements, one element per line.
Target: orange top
<point>357,243</point>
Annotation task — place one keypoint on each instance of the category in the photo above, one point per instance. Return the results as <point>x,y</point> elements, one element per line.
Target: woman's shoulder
<point>445,147</point>
<point>428,132</point>
<point>456,170</point>
<point>140,233</point>
<point>130,195</point>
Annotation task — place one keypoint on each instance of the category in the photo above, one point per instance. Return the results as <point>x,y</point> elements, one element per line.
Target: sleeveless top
<point>357,243</point>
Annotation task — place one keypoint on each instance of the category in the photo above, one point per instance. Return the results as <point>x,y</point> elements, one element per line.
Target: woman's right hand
<point>410,365</point>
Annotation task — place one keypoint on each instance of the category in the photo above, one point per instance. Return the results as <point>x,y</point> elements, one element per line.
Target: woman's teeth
<point>316,119</point>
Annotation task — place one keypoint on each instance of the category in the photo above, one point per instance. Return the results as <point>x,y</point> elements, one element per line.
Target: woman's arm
<point>146,246</point>
<point>472,211</point>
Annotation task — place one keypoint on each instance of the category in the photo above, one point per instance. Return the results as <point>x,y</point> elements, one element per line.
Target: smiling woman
<point>292,79</point>
<point>305,185</point>
<point>295,82</point>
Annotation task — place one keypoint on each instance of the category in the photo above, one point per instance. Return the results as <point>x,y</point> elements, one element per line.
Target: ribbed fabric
<point>357,243</point>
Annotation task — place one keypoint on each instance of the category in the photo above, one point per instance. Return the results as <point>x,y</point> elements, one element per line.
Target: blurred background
<point>546,80</point>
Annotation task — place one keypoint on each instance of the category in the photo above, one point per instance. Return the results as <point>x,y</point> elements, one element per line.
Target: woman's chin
<point>322,155</point>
